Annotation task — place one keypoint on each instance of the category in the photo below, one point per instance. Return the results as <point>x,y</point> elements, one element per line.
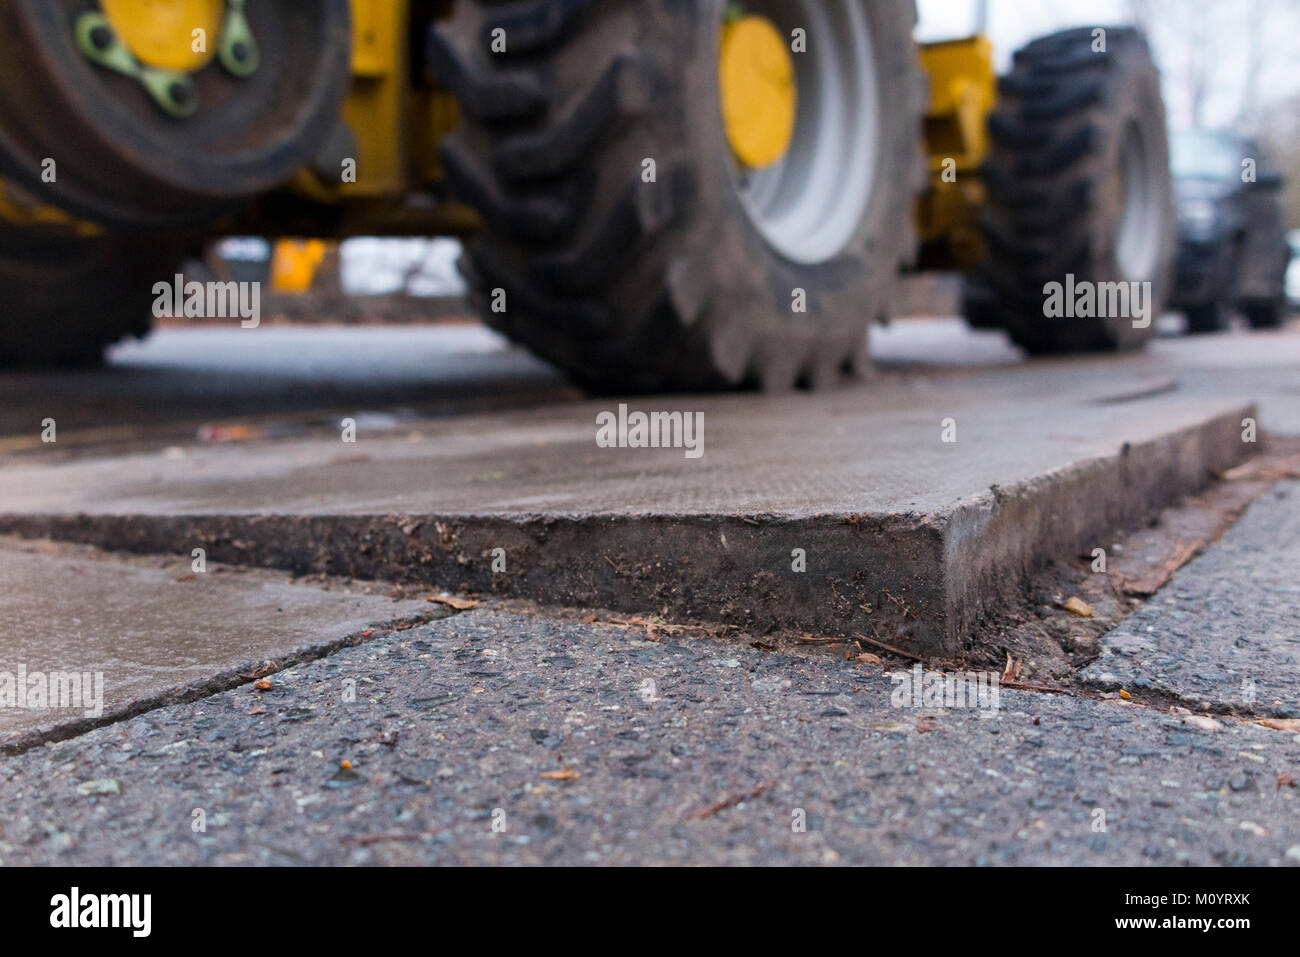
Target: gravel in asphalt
<point>1224,635</point>
<point>522,738</point>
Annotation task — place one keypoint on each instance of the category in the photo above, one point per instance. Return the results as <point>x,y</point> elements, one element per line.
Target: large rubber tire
<point>635,286</point>
<point>63,299</point>
<point>1067,121</point>
<point>122,161</point>
<point>1206,317</point>
<point>1265,313</point>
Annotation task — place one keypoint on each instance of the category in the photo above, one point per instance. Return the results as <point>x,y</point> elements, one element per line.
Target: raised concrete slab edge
<point>917,581</point>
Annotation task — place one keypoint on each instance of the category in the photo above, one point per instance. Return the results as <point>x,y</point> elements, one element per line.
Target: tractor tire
<point>1265,313</point>
<point>64,299</point>
<point>1078,183</point>
<point>679,284</point>
<point>1206,318</point>
<point>979,307</point>
<point>124,162</point>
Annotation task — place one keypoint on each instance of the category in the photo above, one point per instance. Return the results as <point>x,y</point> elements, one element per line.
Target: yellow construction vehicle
<point>696,194</point>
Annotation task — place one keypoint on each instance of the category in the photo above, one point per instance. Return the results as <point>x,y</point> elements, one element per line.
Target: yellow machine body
<point>963,91</point>
<point>394,123</point>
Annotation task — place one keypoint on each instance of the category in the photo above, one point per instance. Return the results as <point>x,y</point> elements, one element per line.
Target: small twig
<point>366,840</point>
<point>1020,686</point>
<point>890,648</point>
<point>730,801</point>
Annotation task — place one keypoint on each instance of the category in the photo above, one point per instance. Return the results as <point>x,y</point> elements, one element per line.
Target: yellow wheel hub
<point>759,92</point>
<point>160,33</point>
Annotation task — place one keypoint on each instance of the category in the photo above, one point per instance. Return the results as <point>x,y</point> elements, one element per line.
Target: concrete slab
<point>907,537</point>
<point>1224,634</point>
<point>143,634</point>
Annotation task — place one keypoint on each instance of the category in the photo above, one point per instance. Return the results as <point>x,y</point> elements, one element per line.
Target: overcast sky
<point>1227,30</point>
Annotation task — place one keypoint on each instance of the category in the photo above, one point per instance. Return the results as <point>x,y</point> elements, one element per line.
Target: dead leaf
<point>564,774</point>
<point>229,432</point>
<point>867,658</point>
<point>926,723</point>
<point>653,626</point>
<point>1263,470</point>
<point>261,671</point>
<point>263,685</point>
<point>1077,606</point>
<point>1281,724</point>
<point>460,604</point>
<point>1204,722</point>
<point>1284,780</point>
<point>1147,585</point>
<point>1125,695</point>
<point>889,727</point>
<point>1012,671</point>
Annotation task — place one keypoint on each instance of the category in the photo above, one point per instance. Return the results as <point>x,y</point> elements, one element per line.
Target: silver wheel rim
<point>810,204</point>
<point>1137,246</point>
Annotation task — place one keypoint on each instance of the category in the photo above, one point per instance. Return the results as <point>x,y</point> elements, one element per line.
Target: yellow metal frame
<point>396,128</point>
<point>294,263</point>
<point>18,208</point>
<point>376,108</point>
<point>963,91</point>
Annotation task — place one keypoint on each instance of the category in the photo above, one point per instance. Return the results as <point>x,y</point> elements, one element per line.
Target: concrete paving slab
<point>1224,635</point>
<point>493,738</point>
<point>131,635</point>
<point>905,535</point>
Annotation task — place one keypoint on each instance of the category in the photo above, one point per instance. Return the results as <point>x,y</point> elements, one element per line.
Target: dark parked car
<point>1232,248</point>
